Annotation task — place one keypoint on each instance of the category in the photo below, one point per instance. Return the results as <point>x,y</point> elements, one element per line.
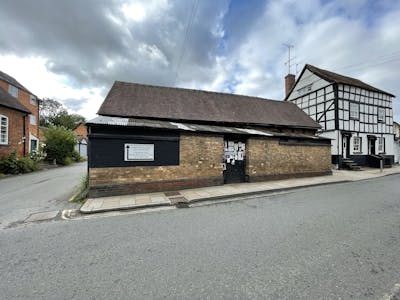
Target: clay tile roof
<point>11,80</point>
<point>9,101</point>
<point>155,102</point>
<point>337,78</point>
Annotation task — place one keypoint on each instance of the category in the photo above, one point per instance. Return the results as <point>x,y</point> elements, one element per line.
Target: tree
<point>66,120</point>
<point>53,113</point>
<point>48,110</point>
<point>60,143</point>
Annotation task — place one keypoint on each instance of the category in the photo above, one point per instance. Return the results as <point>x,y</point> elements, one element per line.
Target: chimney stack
<point>290,80</point>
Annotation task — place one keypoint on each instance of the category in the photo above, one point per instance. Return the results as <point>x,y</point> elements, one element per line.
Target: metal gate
<point>234,161</point>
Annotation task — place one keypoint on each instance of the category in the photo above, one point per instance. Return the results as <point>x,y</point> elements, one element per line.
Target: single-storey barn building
<point>151,138</point>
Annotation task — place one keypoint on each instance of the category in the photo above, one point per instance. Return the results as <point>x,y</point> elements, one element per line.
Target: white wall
<point>397,152</point>
<point>333,135</point>
<point>306,79</point>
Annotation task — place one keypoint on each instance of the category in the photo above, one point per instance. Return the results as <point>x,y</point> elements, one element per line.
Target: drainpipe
<point>24,134</point>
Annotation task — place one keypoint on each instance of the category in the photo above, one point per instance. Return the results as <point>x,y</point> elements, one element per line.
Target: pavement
<point>187,196</point>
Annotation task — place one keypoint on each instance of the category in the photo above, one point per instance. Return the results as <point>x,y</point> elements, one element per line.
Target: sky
<point>73,50</point>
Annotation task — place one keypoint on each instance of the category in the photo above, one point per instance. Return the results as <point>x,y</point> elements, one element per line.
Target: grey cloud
<point>80,39</point>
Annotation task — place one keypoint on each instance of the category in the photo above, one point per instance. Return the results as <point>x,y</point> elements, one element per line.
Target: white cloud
<point>32,73</point>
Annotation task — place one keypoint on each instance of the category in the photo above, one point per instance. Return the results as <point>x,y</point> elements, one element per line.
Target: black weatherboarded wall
<point>109,141</point>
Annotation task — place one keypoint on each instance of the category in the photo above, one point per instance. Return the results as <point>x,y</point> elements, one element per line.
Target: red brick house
<point>23,96</point>
<point>80,132</point>
<point>13,126</point>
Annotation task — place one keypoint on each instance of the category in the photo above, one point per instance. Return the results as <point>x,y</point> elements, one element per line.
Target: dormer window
<point>13,91</point>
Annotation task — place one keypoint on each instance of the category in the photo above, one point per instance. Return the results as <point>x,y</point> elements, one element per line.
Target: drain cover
<point>42,216</point>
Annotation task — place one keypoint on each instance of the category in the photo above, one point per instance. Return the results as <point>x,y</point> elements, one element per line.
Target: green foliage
<point>67,161</point>
<point>83,189</point>
<point>38,155</point>
<point>77,157</point>
<point>26,165</point>
<point>10,164</point>
<point>53,113</point>
<point>59,145</point>
<point>14,165</point>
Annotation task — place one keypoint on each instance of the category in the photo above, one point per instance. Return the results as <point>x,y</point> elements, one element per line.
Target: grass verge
<point>82,191</point>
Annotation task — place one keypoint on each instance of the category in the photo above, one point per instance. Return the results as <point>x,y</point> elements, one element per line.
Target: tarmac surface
<point>338,241</point>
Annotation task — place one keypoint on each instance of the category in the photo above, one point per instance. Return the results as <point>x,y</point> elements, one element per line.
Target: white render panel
<point>330,125</point>
<point>333,135</point>
<point>396,151</point>
<point>306,79</point>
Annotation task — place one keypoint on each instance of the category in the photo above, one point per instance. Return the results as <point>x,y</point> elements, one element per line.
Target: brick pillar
<point>290,80</point>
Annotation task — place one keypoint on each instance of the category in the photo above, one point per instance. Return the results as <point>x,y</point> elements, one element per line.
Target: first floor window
<point>381,115</point>
<point>33,100</point>
<point>3,130</point>
<point>357,144</point>
<point>13,91</point>
<point>381,144</point>
<point>354,110</point>
<point>32,119</point>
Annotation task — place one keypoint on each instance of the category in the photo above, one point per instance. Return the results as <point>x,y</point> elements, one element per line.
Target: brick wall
<point>15,132</point>
<point>200,165</point>
<point>267,159</point>
<point>24,98</point>
<point>81,130</point>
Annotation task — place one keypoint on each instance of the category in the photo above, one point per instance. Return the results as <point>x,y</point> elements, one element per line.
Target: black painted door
<point>234,161</point>
<point>235,173</point>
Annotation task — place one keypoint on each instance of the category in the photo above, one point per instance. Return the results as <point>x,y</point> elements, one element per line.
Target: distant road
<point>38,191</point>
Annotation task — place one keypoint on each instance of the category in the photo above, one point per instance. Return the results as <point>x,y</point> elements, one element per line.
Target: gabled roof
<point>337,78</point>
<point>9,101</point>
<point>13,81</point>
<point>163,103</point>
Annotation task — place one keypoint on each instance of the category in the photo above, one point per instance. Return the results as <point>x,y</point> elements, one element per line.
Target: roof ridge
<point>197,91</point>
<point>328,75</point>
<point>11,80</point>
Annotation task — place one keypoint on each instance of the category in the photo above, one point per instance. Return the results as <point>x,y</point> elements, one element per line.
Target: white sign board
<point>139,152</point>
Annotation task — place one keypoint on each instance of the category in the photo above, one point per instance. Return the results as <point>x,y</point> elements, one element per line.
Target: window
<point>34,143</point>
<point>33,100</point>
<point>357,144</point>
<point>13,91</point>
<point>381,115</point>
<point>305,89</point>
<point>381,145</point>
<point>3,130</point>
<point>32,119</point>
<point>354,111</point>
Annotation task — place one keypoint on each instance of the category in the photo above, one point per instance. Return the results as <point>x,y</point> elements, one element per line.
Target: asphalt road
<point>45,190</point>
<point>330,242</point>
